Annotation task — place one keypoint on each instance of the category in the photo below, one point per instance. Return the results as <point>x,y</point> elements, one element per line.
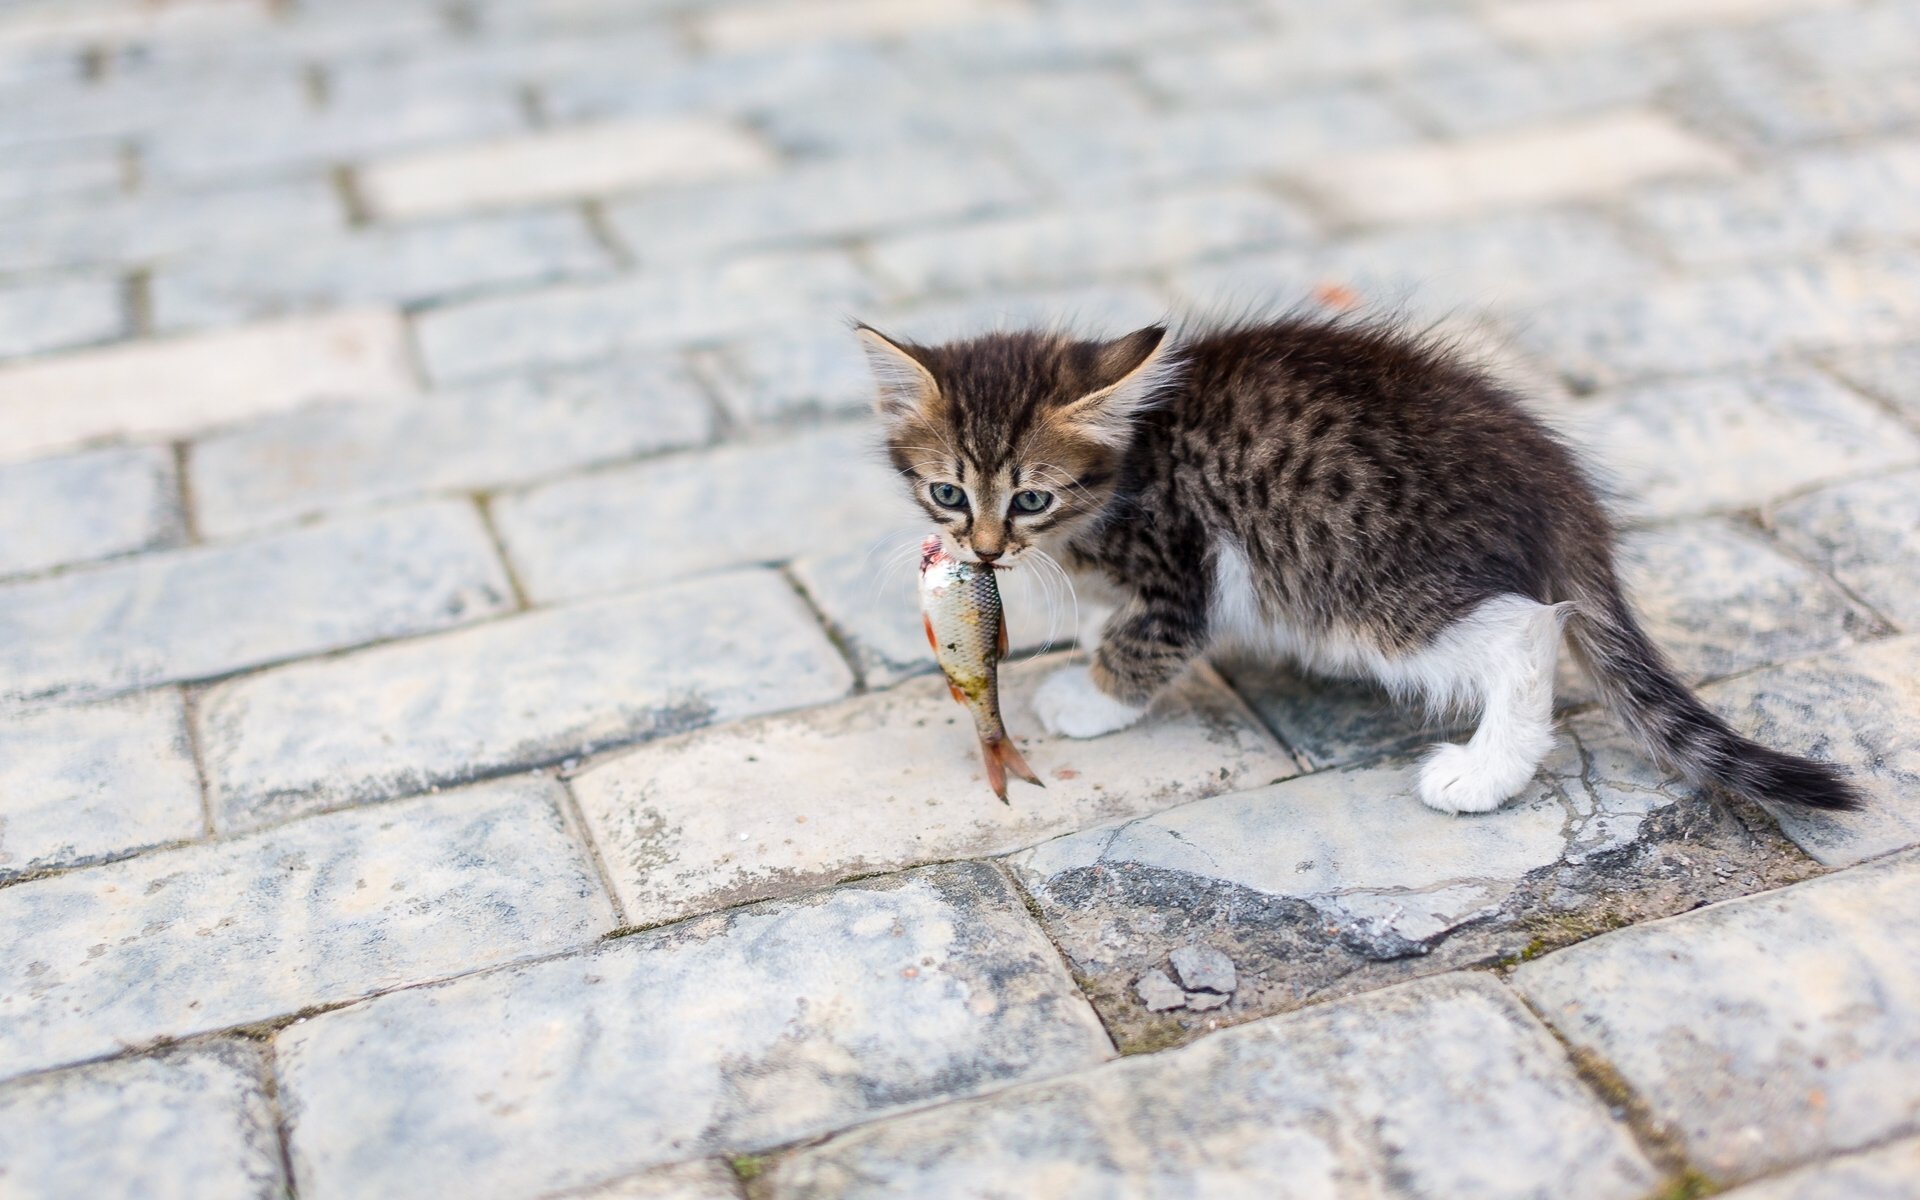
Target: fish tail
<point>1002,756</point>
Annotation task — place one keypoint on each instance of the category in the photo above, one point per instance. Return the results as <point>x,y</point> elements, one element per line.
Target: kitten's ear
<point>1131,371</point>
<point>905,387</point>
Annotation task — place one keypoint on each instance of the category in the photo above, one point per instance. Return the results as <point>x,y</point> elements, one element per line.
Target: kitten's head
<point>1009,437</point>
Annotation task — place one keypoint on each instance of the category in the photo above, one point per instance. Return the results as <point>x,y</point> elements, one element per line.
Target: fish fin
<point>926,623</point>
<point>1010,755</point>
<point>955,693</point>
<point>1003,756</point>
<point>996,772</point>
<point>1003,635</point>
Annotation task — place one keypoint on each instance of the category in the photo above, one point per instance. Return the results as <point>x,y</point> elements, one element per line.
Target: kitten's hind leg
<point>1502,656</point>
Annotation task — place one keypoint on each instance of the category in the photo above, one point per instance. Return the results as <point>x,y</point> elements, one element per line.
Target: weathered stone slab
<point>182,385</point>
<point>1102,242</point>
<point>707,1179</point>
<point>1481,95</point>
<point>1858,707</point>
<point>1733,441</point>
<point>1341,881</point>
<point>484,436</point>
<point>556,164</point>
<point>1318,52</point>
<point>587,322</point>
<point>392,264</point>
<point>1766,1032</point>
<point>651,522</point>
<point>812,1015</point>
<point>1445,1088</point>
<point>1863,534</point>
<point>96,504</point>
<point>187,1124</point>
<point>211,610</point>
<point>1887,1173</point>
<point>778,806</point>
<point>1549,24</point>
<point>56,314</point>
<point>223,933</point>
<point>512,695</point>
<point>85,783</point>
<point>1707,321</point>
<point>749,25</point>
<point>1891,374</point>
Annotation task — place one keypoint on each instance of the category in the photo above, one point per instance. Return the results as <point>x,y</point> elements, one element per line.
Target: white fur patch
<point>1069,705</point>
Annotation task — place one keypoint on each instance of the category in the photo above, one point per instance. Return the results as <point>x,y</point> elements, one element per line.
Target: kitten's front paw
<point>1070,705</point>
<point>1455,780</point>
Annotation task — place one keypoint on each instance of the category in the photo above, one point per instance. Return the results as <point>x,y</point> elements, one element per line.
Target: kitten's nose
<point>987,556</point>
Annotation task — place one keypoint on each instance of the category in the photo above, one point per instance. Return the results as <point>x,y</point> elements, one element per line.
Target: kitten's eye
<point>946,495</point>
<point>1031,501</point>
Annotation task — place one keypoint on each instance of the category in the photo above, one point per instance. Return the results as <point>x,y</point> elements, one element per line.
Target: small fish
<point>960,606</point>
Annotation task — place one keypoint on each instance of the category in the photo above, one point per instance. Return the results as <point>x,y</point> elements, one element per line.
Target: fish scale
<point>960,606</point>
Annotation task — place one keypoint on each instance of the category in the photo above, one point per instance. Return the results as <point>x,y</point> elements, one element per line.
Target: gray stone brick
<point>1110,157</point>
<point>1765,1032</point>
<point>401,265</point>
<point>654,521</point>
<point>129,104</point>
<point>156,226</point>
<point>748,25</point>
<point>474,438</point>
<point>758,82</point>
<point>708,1179</point>
<point>63,172</point>
<point>835,198</point>
<point>1499,261</point>
<point>1061,36</point>
<point>1447,1088</point>
<point>861,1001</point>
<point>1886,1173</point>
<point>1067,246</point>
<point>501,62</point>
<point>1862,534</point>
<point>1859,707</point>
<point>586,322</point>
<point>78,784</point>
<point>1471,97</point>
<point>1779,109</point>
<point>760,810</point>
<point>187,1124</point>
<point>96,504</point>
<point>1554,24</point>
<point>1319,51</point>
<point>208,611</point>
<point>56,314</point>
<point>1733,441</point>
<point>1891,375</point>
<point>1843,39</point>
<point>512,695</point>
<point>203,937</point>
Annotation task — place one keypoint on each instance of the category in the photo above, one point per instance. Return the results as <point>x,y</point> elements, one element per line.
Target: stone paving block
<point>1296,884</point>
<point>1317,50</point>
<point>1886,1173</point>
<point>1891,375</point>
<point>1765,1032</point>
<point>1447,1088</point>
<point>813,1015</point>
<point>1066,246</point>
<point>187,1124</point>
<point>1859,707</point>
<point>591,321</point>
<point>1843,40</point>
<point>1551,24</point>
<point>1502,260</point>
<point>55,314</point>
<point>501,63</point>
<point>583,160</point>
<point>512,695</point>
<point>393,264</point>
<point>477,437</point>
<point>1862,533</point>
<point>842,197</point>
<point>207,611</point>
<point>182,385</point>
<point>95,504</point>
<point>1108,158</point>
<point>1733,441</point>
<point>1773,109</point>
<point>139,229</point>
<point>708,1179</point>
<point>1815,203</point>
<point>1571,160</point>
<point>321,911</point>
<point>783,805</point>
<point>78,784</point>
<point>1069,34</point>
<point>1480,96</point>
<point>744,26</point>
<point>626,527</point>
<point>59,172</point>
<point>757,83</point>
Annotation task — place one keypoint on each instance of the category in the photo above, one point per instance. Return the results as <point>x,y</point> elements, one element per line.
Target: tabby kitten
<point>1341,494</point>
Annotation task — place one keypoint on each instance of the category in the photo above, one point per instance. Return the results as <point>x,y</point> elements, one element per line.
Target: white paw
<point>1070,705</point>
<point>1454,779</point>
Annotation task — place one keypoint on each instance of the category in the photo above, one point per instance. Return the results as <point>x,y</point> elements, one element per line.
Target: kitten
<point>1337,493</point>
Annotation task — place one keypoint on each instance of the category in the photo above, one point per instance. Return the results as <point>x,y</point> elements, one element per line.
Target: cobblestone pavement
<point>463,725</point>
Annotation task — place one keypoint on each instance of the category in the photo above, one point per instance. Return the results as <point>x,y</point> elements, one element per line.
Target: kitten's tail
<point>1680,732</point>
